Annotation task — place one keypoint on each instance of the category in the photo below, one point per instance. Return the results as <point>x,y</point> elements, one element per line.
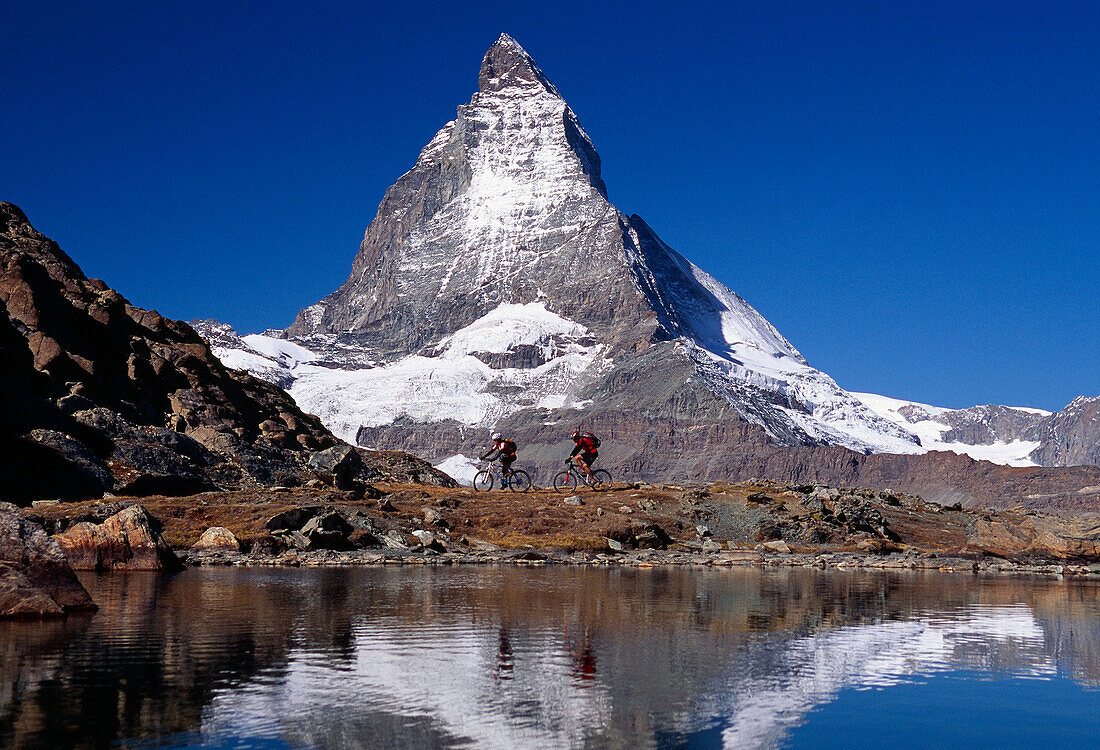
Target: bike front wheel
<point>483,480</point>
<point>565,481</point>
<point>601,479</point>
<point>519,481</point>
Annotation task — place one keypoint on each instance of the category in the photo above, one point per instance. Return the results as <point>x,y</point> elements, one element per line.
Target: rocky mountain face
<point>498,288</point>
<point>498,268</point>
<point>1072,436</point>
<point>97,395</point>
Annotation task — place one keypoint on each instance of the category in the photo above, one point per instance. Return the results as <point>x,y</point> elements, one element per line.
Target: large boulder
<point>217,539</point>
<point>293,519</point>
<point>36,579</point>
<point>339,465</point>
<point>328,530</point>
<point>128,540</point>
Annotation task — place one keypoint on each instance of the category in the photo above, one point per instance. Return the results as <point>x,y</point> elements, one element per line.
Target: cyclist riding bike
<point>585,451</point>
<point>502,449</point>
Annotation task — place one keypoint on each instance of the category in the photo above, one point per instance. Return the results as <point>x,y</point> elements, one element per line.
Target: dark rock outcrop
<point>36,580</point>
<point>97,395</point>
<point>310,528</point>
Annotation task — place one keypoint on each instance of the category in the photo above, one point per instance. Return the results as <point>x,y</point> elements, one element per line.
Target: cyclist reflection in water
<point>584,660</point>
<point>503,669</point>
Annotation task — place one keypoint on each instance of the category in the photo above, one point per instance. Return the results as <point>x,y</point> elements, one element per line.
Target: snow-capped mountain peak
<point>507,65</point>
<point>498,286</point>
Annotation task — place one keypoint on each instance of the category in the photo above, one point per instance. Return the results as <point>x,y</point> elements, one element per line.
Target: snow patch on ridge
<point>507,327</point>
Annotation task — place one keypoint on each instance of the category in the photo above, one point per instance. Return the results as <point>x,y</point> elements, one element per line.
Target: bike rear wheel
<point>601,479</point>
<point>565,481</point>
<point>519,481</point>
<point>483,480</point>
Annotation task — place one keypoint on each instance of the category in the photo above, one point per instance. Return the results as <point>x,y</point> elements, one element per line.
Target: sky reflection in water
<point>557,657</point>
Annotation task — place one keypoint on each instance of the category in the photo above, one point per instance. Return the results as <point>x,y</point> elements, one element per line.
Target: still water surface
<point>558,657</point>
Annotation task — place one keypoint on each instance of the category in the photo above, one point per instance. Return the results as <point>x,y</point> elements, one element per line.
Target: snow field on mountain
<point>286,353</point>
<point>508,326</point>
<point>526,183</point>
<point>930,432</point>
<point>452,385</point>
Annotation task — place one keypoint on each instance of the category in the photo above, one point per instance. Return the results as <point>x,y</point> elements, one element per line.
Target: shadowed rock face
<point>36,580</point>
<point>97,395</point>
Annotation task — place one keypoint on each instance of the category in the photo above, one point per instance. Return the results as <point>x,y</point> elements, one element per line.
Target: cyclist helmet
<point>497,436</point>
<point>576,434</point>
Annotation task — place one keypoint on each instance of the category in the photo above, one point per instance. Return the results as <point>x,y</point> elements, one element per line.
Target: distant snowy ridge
<point>931,426</point>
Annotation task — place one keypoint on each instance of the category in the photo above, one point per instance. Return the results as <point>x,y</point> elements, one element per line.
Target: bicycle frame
<point>497,472</point>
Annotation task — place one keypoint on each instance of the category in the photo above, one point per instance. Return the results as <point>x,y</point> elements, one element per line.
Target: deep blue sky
<point>909,191</point>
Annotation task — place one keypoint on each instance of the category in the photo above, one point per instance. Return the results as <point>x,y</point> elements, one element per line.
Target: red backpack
<point>590,441</point>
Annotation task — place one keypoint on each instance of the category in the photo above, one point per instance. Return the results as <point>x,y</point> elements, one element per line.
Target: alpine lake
<point>558,657</point>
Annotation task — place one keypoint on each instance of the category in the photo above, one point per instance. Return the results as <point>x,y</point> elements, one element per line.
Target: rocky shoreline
<point>927,562</point>
<point>760,523</point>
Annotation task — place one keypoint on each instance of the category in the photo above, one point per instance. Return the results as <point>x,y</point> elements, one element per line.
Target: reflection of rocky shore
<point>511,657</point>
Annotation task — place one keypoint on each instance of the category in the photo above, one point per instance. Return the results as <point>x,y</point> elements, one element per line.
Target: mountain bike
<point>516,480</point>
<point>571,478</point>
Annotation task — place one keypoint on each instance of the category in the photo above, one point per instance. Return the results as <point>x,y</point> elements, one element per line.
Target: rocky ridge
<point>99,396</point>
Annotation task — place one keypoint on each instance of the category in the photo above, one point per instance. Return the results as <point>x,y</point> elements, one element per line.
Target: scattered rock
<point>613,544</point>
<point>394,540</point>
<point>757,498</point>
<point>573,500</point>
<point>877,546</point>
<point>652,536</point>
<point>433,517</point>
<point>428,540</point>
<point>286,539</point>
<point>339,465</point>
<point>777,545</point>
<point>292,519</point>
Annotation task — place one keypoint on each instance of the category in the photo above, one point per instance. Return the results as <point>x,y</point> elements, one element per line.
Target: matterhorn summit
<point>498,288</point>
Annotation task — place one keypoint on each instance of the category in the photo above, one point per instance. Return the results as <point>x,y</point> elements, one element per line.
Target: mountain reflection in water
<point>514,657</point>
